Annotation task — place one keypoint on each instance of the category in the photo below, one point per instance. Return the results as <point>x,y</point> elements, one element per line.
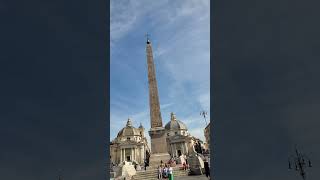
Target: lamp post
<point>300,162</point>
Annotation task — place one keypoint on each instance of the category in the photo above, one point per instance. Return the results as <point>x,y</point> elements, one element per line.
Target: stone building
<point>129,145</point>
<point>179,141</point>
<point>207,136</point>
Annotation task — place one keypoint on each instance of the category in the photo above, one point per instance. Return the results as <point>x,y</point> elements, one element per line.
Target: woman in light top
<point>170,173</point>
<point>159,172</point>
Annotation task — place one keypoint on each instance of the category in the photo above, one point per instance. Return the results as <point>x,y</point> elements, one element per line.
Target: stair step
<point>152,174</point>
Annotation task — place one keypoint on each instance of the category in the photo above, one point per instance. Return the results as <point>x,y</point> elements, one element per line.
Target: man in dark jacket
<point>207,169</point>
<point>145,165</point>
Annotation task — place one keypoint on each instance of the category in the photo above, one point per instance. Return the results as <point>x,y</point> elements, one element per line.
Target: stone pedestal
<point>138,167</point>
<point>158,146</point>
<point>155,159</point>
<point>158,140</point>
<point>127,170</point>
<point>181,160</point>
<point>196,164</point>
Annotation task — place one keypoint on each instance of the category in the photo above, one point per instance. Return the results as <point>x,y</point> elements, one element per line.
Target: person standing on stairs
<point>207,168</point>
<point>145,165</point>
<point>165,171</point>
<point>170,173</point>
<point>159,172</point>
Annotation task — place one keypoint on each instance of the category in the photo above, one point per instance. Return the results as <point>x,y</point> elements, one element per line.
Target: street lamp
<point>300,162</point>
<point>204,114</point>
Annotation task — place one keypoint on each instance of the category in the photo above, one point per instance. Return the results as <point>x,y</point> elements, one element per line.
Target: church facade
<point>179,141</point>
<point>129,145</point>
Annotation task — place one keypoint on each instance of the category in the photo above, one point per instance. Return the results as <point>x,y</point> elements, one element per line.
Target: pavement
<point>200,177</point>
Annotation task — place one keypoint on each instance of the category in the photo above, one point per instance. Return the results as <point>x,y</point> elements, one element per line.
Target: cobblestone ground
<point>200,177</point>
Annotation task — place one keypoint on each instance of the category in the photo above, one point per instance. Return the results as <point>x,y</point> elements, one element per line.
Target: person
<point>161,164</point>
<point>207,169</point>
<point>165,171</point>
<point>187,165</point>
<point>170,173</point>
<point>184,166</point>
<point>145,165</point>
<point>159,172</point>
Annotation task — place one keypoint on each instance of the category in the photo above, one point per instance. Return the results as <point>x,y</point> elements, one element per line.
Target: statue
<point>195,160</point>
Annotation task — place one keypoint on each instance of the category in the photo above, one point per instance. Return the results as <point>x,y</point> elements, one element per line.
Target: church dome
<point>175,124</point>
<point>129,130</point>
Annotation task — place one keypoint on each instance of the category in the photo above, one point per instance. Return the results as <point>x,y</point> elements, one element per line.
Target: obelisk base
<point>196,164</point>
<point>159,149</point>
<point>155,159</point>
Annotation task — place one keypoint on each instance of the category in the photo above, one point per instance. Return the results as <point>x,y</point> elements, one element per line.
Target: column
<point>172,151</point>
<point>123,158</point>
<point>182,147</point>
<point>131,154</point>
<point>141,154</point>
<point>176,150</point>
<point>134,156</point>
<point>124,154</point>
<point>120,155</point>
<point>185,146</point>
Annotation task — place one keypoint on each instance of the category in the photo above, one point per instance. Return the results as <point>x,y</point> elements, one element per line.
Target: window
<point>128,138</point>
<point>175,133</point>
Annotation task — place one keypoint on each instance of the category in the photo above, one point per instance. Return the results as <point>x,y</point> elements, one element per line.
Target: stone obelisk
<point>157,132</point>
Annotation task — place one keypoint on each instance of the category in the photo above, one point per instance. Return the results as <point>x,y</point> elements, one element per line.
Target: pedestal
<point>159,149</point>
<point>196,164</point>
<point>181,160</point>
<point>155,159</point>
<point>158,140</point>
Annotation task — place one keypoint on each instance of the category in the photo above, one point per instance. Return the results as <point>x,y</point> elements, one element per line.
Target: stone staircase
<point>152,173</point>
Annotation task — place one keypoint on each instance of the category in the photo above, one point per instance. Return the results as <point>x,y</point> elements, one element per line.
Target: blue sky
<point>180,34</point>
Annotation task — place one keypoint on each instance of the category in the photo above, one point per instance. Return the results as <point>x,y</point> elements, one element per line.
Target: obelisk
<point>157,132</point>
